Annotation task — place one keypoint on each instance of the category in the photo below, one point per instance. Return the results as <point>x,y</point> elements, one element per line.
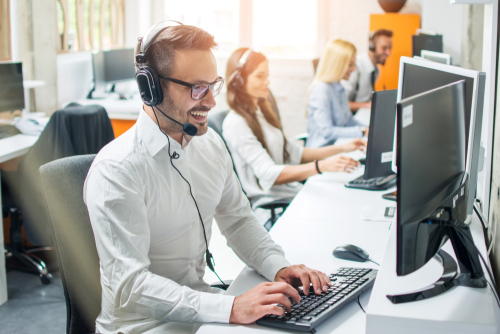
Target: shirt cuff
<point>215,307</point>
<point>272,264</point>
<point>270,177</point>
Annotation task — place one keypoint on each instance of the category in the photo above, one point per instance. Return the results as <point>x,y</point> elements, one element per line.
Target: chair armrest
<point>219,285</point>
<point>280,203</point>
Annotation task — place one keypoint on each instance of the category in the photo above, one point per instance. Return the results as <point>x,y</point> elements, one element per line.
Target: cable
<point>495,289</point>
<point>488,235</point>
<point>359,303</point>
<point>374,262</point>
<point>208,255</point>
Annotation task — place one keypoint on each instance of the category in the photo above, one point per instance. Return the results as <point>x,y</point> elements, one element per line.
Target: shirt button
<point>194,224</point>
<point>180,162</point>
<point>191,263</point>
<point>189,193</point>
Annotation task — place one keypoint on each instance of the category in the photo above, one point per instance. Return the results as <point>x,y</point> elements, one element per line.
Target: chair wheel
<point>46,279</point>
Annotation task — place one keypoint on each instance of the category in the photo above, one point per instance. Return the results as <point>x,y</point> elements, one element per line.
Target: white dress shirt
<point>149,237</point>
<point>363,77</point>
<point>257,168</point>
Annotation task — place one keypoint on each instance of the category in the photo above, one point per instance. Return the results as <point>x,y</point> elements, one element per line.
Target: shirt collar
<point>153,138</point>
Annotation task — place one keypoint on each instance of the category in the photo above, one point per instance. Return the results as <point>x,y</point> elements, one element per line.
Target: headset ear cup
<point>238,80</point>
<point>149,86</point>
<point>371,46</point>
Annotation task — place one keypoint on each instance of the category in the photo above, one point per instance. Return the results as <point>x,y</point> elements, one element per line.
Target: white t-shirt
<point>257,168</point>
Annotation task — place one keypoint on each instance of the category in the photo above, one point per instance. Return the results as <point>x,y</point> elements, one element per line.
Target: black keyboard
<point>379,183</point>
<point>348,284</point>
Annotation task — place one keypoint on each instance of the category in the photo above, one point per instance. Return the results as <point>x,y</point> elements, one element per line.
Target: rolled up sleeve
<point>241,139</point>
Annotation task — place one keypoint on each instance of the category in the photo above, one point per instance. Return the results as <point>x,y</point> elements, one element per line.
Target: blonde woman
<point>328,114</point>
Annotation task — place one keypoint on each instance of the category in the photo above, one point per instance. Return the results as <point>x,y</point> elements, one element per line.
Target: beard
<point>169,107</point>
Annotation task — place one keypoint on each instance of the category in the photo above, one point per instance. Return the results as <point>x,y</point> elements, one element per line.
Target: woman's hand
<point>356,144</point>
<point>338,163</point>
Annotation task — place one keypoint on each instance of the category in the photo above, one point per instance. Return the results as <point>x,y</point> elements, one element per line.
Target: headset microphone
<point>188,128</point>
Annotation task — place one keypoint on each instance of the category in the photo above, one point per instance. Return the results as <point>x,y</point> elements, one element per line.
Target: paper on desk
<point>378,214</point>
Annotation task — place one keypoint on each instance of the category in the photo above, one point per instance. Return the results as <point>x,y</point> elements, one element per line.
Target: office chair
<point>215,122</point>
<point>74,130</point>
<point>62,183</point>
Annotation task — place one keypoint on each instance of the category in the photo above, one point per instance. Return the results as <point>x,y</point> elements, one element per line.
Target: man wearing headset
<point>360,85</point>
<point>152,195</point>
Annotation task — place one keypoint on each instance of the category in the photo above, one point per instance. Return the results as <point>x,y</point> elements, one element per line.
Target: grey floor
<point>32,306</point>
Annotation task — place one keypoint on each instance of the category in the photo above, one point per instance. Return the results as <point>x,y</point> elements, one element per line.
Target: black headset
<point>152,95</point>
<point>371,42</point>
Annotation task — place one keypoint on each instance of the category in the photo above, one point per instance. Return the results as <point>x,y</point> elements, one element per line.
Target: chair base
<point>27,261</point>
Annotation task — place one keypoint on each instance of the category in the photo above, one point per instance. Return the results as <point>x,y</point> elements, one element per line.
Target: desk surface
<point>325,215</point>
<point>15,146</point>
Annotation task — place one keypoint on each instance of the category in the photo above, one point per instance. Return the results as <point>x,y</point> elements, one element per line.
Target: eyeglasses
<point>199,90</point>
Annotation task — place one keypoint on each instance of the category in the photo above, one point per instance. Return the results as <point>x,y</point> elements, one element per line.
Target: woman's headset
<point>236,79</point>
<point>146,76</point>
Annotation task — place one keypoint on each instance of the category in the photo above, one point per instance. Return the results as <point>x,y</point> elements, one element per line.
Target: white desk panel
<point>15,146</point>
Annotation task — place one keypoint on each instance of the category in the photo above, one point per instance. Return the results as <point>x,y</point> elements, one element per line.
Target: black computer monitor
<point>417,76</point>
<point>381,135</point>
<point>111,67</point>
<point>432,187</point>
<point>426,42</point>
<point>11,87</point>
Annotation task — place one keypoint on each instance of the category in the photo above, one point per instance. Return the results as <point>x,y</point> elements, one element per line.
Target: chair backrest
<point>74,130</point>
<point>62,182</point>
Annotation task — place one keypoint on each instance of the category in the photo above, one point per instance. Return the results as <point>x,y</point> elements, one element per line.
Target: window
<point>90,24</point>
<point>4,30</point>
<point>219,18</point>
<point>285,28</point>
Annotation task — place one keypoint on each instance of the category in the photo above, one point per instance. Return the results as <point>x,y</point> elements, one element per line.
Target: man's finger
<point>306,282</point>
<point>286,289</point>
<point>272,309</point>
<point>278,298</point>
<point>316,283</point>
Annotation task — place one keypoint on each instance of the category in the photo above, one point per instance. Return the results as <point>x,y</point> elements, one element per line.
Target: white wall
<point>445,19</point>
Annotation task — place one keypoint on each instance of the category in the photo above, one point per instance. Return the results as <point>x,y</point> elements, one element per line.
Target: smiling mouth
<point>199,116</point>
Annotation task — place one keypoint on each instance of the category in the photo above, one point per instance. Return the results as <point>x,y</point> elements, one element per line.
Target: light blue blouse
<point>329,116</point>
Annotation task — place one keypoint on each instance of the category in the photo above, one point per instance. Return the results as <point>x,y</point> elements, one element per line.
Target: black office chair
<point>62,183</point>
<point>74,130</point>
<point>215,122</point>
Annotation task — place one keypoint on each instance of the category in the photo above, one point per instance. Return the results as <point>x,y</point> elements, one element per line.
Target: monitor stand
<point>470,274</point>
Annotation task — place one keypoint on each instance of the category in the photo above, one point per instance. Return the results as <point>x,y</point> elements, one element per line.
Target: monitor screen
<point>431,165</point>
<point>118,65</point>
<point>381,135</point>
<point>11,87</point>
<point>418,79</point>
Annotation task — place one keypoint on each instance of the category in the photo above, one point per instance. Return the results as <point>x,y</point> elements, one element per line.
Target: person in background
<point>361,83</point>
<point>269,166</point>
<point>328,113</point>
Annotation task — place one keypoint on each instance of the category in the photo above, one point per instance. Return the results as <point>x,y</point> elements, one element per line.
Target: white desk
<point>10,148</point>
<point>325,215</point>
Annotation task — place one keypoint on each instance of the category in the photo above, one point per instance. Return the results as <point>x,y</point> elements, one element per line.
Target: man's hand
<point>262,300</point>
<point>300,275</point>
<point>356,144</point>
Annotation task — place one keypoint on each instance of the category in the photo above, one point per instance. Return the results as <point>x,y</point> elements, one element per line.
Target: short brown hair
<point>381,32</point>
<point>161,54</point>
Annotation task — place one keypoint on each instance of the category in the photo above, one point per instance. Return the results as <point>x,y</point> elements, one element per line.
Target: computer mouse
<point>362,161</point>
<point>351,253</point>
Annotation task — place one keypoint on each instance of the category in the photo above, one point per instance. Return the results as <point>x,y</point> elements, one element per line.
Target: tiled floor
<point>32,306</point>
